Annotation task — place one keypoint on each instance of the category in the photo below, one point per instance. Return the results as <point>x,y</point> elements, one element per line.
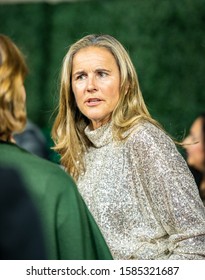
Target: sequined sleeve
<point>172,192</point>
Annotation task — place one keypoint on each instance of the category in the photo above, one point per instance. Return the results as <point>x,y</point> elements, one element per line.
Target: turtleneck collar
<point>100,136</point>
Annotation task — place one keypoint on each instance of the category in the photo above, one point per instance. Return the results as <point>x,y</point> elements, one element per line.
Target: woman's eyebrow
<point>78,72</point>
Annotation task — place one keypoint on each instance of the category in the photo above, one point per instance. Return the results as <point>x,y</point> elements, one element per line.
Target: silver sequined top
<point>143,196</point>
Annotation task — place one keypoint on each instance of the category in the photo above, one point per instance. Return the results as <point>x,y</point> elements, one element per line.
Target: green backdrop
<point>165,39</point>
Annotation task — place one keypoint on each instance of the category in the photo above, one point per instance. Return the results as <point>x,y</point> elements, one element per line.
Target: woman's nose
<point>187,143</point>
<point>185,140</point>
<point>91,85</point>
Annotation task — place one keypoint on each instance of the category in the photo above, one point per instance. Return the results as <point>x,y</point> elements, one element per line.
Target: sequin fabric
<point>143,196</point>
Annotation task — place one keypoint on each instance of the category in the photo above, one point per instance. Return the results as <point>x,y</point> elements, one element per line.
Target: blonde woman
<point>129,172</point>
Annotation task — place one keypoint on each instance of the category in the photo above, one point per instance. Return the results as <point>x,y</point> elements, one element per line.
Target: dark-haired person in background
<point>33,140</point>
<point>194,144</point>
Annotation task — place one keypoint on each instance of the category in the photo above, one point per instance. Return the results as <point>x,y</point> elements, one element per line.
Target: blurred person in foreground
<point>194,144</point>
<point>69,229</point>
<point>132,177</point>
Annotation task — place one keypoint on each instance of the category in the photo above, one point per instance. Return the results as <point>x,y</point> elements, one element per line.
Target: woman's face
<point>195,152</point>
<point>96,84</point>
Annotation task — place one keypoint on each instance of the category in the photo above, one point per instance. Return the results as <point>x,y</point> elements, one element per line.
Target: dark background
<point>165,39</point>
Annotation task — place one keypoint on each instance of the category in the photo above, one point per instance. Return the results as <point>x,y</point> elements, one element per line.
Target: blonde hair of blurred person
<point>13,71</point>
<point>194,144</point>
<point>14,125</point>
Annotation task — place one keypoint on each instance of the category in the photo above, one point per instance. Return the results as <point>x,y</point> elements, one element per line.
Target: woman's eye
<point>102,74</point>
<point>81,77</point>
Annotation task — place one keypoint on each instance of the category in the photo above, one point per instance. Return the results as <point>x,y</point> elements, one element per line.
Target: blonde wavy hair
<point>68,129</point>
<point>12,103</point>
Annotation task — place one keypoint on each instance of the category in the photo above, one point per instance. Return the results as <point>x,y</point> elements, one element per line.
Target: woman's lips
<point>93,101</point>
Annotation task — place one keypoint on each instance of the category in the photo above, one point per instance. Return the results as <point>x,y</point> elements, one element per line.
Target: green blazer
<point>69,229</point>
